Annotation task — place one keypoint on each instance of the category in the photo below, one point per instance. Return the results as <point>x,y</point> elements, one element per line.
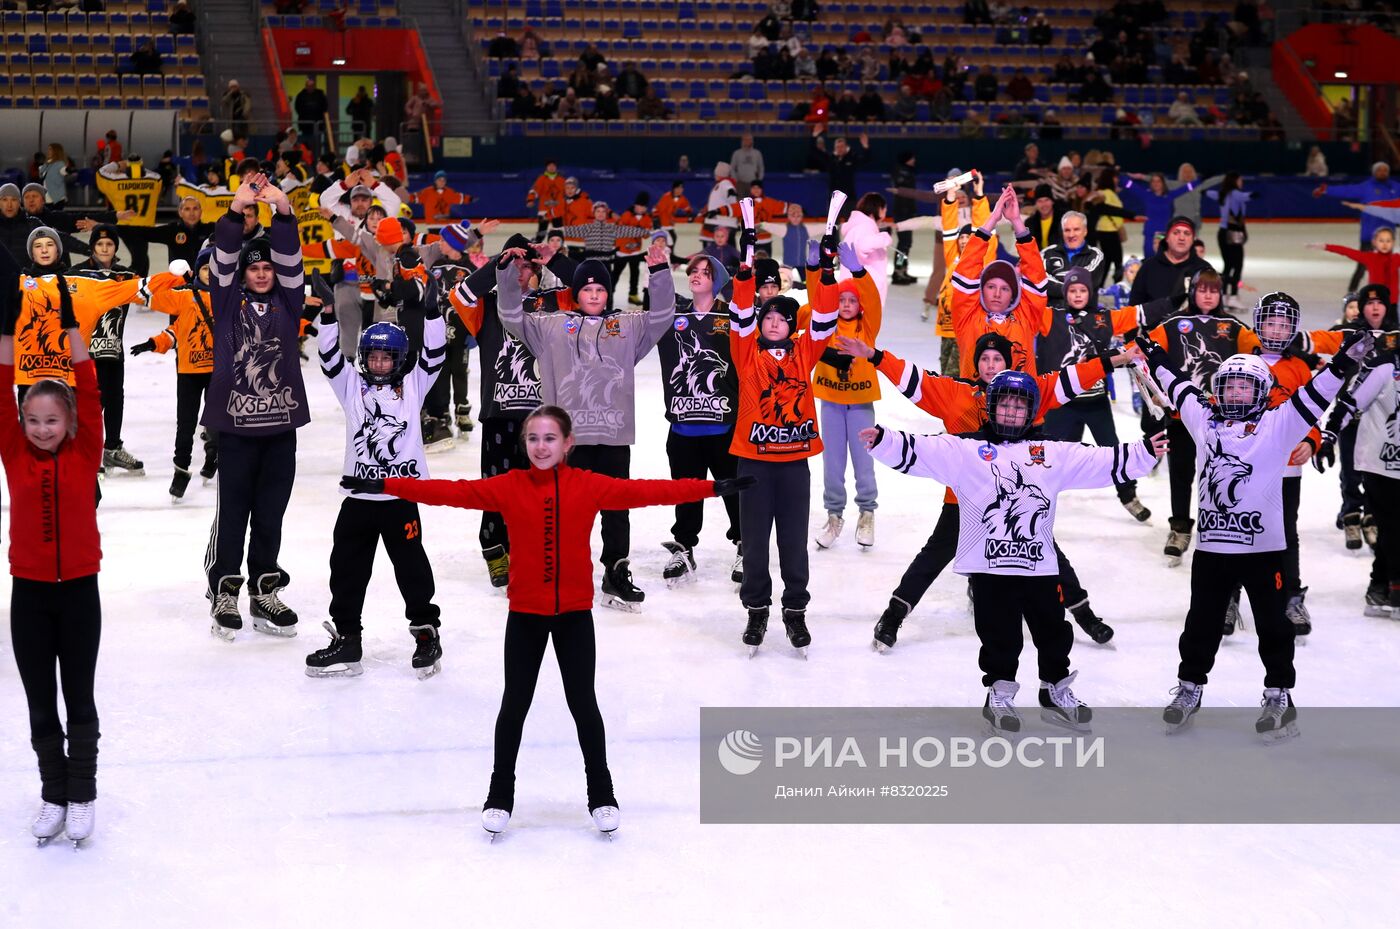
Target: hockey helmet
<point>383,337</point>
<point>1276,306</point>
<point>1242,385</point>
<point>1004,388</point>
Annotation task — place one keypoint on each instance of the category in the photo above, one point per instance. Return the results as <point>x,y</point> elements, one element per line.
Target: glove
<point>147,346</point>
<point>381,292</point>
<point>814,253</point>
<point>733,485</point>
<point>1326,454</point>
<point>363,485</point>
<point>408,257</point>
<point>1354,348</point>
<point>842,363</point>
<point>747,239</point>
<point>829,245</point>
<point>849,259</point>
<point>321,288</point>
<point>1152,350</point>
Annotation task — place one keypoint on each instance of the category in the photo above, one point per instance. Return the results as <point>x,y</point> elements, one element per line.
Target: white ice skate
<point>865,529</point>
<point>830,532</point>
<point>607,819</point>
<point>494,821</point>
<point>49,823</point>
<point>82,818</point>
<point>1000,708</point>
<point>1186,700</point>
<point>1059,705</point>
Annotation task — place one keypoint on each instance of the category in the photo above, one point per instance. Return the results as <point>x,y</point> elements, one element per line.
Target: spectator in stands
<point>1040,32</point>
<point>977,13</point>
<point>531,48</point>
<point>312,106</point>
<point>1317,163</point>
<point>1179,70</point>
<point>652,107</point>
<point>758,42</point>
<point>1066,71</point>
<point>869,66</point>
<point>143,60</point>
<point>182,19</point>
<point>984,85</point>
<point>1182,113</point>
<point>631,83</point>
<point>819,112</point>
<point>770,26</point>
<point>525,105</point>
<point>845,65</point>
<point>804,65</point>
<point>502,46</point>
<point>236,106</point>
<point>1208,71</point>
<point>1050,126</point>
<point>591,58</point>
<point>109,150</point>
<point>605,105</point>
<point>583,81</point>
<point>746,164</point>
<point>906,108</point>
<point>360,109</point>
<point>1270,128</point>
<point>54,173</point>
<point>1095,89</point>
<point>847,108</point>
<point>1029,167</point>
<point>1020,88</point>
<point>569,107</point>
<point>940,106</point>
<point>954,75</point>
<point>871,107</point>
<point>827,69</point>
<point>804,11</point>
<point>1344,123</point>
<point>326,173</point>
<point>973,125</point>
<point>1125,125</point>
<point>508,83</point>
<point>842,161</point>
<point>784,67</point>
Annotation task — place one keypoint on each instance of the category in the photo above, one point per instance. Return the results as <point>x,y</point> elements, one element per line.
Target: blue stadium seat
<point>105,62</point>
<point>140,23</point>
<point>90,102</point>
<point>123,45</point>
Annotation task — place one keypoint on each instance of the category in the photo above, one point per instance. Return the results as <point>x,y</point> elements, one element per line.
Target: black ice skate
<point>1278,722</point>
<point>339,659</point>
<point>178,483</point>
<point>999,709</point>
<point>1178,540</point>
<point>207,472</point>
<point>1298,615</point>
<point>120,461</point>
<point>1233,619</point>
<point>887,626</point>
<point>497,564</point>
<point>1378,600</point>
<point>1137,510</point>
<point>437,435</point>
<point>1094,627</point>
<point>464,417</point>
<point>618,590</point>
<point>795,622</point>
<point>756,629</point>
<point>1186,700</point>
<point>427,656</point>
<point>736,571</point>
<point>224,608</point>
<point>680,570</point>
<point>270,615</point>
<point>1351,531</point>
<point>1059,705</point>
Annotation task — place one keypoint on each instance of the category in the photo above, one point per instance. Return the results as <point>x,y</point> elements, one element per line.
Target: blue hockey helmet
<point>1018,417</point>
<point>384,337</point>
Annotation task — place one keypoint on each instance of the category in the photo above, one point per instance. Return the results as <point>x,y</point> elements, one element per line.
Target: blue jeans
<point>841,426</point>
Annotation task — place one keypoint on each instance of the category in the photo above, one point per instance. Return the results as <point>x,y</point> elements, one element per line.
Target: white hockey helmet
<point>1242,385</point>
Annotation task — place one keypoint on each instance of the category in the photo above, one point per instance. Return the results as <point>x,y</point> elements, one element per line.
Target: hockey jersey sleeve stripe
<point>744,318</point>
<point>435,351</point>
<point>1067,385</point>
<point>907,457</point>
<point>1310,403</point>
<point>911,383</point>
<point>964,284</point>
<point>429,368</point>
<point>332,370</point>
<point>1121,454</point>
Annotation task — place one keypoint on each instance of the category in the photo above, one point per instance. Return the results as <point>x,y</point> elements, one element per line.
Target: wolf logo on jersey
<point>377,445</point>
<point>517,384</point>
<point>1390,448</point>
<point>781,399</point>
<point>1222,479</point>
<point>46,334</point>
<point>1198,362</point>
<point>257,397</point>
<point>588,392</point>
<point>1080,348</point>
<point>695,379</point>
<point>1011,520</point>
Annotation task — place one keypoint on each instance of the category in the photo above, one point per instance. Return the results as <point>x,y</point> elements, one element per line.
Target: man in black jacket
<point>182,238</point>
<point>1073,251</point>
<point>842,161</point>
<point>1044,221</point>
<point>902,208</point>
<point>1171,266</point>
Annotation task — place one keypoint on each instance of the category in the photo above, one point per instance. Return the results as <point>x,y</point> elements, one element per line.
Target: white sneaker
<point>831,531</point>
<point>865,529</point>
<point>49,822</point>
<point>494,821</point>
<point>82,817</point>
<point>607,818</point>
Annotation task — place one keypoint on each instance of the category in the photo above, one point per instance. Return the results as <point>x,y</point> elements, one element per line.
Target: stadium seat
<point>152,85</point>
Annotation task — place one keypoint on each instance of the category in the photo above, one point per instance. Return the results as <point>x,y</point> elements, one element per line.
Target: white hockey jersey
<point>383,428</point>
<point>1240,465</point>
<point>1378,431</point>
<point>1008,491</point>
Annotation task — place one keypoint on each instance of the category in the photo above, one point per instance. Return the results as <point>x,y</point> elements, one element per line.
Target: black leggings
<point>1213,578</point>
<point>500,452</point>
<point>697,456</point>
<point>1383,503</point>
<point>59,623</point>
<point>614,461</point>
<point>1232,262</point>
<point>1181,467</point>
<point>633,264</point>
<point>527,634</point>
<point>190,390</point>
<point>111,381</point>
<point>1112,247</point>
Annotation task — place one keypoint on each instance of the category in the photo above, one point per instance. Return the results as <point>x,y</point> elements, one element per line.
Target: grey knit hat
<point>32,186</point>
<point>40,232</point>
<point>9,190</point>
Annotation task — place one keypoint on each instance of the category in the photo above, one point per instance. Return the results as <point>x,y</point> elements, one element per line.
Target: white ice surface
<point>234,791</point>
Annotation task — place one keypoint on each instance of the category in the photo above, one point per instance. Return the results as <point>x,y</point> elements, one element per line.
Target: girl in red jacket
<point>549,511</point>
<point>51,459</point>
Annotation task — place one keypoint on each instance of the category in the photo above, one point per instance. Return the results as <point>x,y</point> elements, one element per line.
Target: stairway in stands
<point>442,28</point>
<point>230,48</point>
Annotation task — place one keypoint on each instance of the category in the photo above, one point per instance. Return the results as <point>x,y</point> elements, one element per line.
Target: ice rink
<point>234,791</point>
